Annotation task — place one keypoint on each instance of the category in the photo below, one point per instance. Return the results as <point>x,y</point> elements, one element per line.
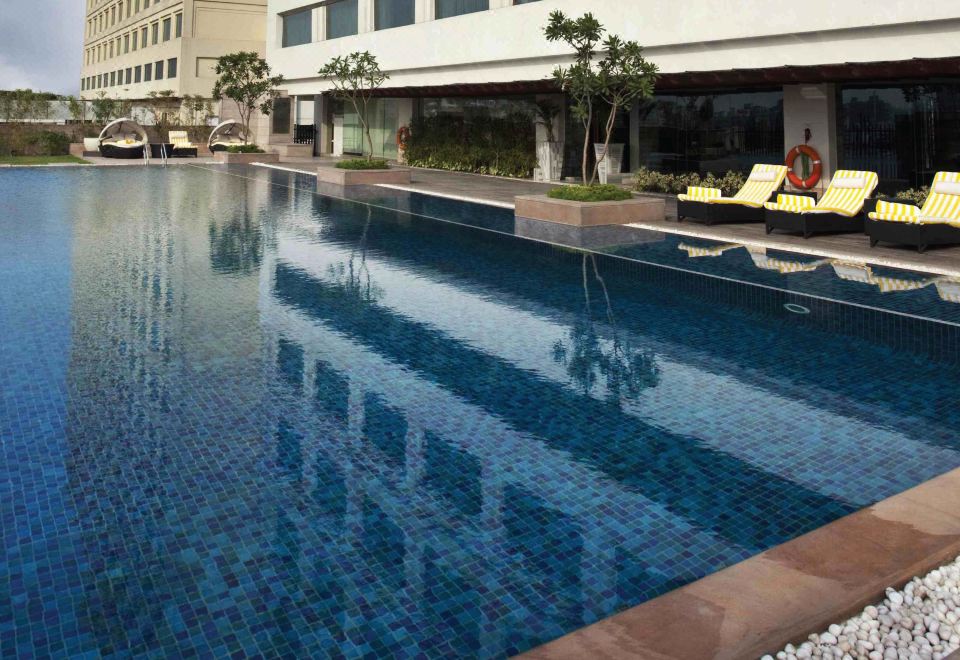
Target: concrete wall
<point>506,44</point>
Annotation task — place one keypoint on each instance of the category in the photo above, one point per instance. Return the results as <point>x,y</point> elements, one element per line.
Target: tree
<point>23,105</point>
<point>76,107</point>
<point>161,104</point>
<point>619,79</point>
<point>355,77</point>
<point>106,108</point>
<point>245,78</point>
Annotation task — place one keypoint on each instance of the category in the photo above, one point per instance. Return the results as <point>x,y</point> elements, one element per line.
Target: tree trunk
<point>586,144</point>
<point>611,120</point>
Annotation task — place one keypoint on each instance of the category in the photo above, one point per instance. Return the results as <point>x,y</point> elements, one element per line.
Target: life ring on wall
<point>814,178</point>
<point>403,136</point>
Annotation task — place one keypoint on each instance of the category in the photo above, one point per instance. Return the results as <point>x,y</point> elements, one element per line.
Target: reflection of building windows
<point>342,19</point>
<point>448,8</point>
<point>332,392</point>
<point>290,363</point>
<point>297,28</point>
<point>393,13</point>
<point>454,474</point>
<point>386,429</point>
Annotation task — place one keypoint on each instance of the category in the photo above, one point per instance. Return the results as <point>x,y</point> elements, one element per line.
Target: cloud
<point>41,44</point>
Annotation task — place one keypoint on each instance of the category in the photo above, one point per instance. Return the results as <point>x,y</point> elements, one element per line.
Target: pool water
<point>239,417</point>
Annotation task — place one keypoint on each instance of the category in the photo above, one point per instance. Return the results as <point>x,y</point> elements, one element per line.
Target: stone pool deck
<point>788,592</point>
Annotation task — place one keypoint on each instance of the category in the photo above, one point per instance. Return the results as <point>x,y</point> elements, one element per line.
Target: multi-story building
<point>876,83</point>
<point>133,47</point>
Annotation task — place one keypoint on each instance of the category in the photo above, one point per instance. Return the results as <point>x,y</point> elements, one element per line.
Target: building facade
<point>877,84</point>
<point>134,47</point>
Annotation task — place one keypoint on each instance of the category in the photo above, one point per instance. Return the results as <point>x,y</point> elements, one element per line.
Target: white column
<point>424,11</point>
<point>365,16</point>
<point>497,4</point>
<point>319,24</point>
<point>813,107</point>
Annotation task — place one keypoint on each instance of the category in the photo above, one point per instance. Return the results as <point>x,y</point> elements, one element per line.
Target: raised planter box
<point>245,159</point>
<point>590,214</point>
<point>338,177</point>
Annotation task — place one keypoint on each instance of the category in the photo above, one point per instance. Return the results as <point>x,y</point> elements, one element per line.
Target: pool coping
<point>788,592</point>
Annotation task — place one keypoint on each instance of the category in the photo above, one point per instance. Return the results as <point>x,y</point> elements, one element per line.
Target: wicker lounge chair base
<point>920,236</point>
<point>809,224</point>
<point>716,214</point>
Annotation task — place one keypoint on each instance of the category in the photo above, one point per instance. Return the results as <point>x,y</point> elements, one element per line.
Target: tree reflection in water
<point>626,369</point>
<point>236,248</point>
<point>354,278</point>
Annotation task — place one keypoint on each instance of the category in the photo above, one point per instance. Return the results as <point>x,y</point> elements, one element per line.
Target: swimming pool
<point>240,417</point>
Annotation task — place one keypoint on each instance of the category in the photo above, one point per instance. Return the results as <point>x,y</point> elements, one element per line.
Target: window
<point>342,19</point>
<point>120,77</point>
<point>167,26</point>
<point>134,40</point>
<point>393,13</point>
<point>158,70</point>
<point>905,133</point>
<point>136,5</point>
<point>172,67</point>
<point>99,80</point>
<point>155,34</point>
<point>298,28</point>
<point>113,15</point>
<point>179,30</point>
<point>111,48</point>
<point>280,116</point>
<point>711,132</point>
<point>146,3</point>
<point>137,74</point>
<point>147,72</point>
<point>448,8</point>
<point>129,8</point>
<point>113,78</point>
<point>126,43</point>
<point>143,37</point>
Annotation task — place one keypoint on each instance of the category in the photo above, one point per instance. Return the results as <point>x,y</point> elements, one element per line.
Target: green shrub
<point>49,143</point>
<point>675,184</point>
<point>501,146</point>
<point>595,193</point>
<point>363,164</point>
<point>918,197</point>
<point>245,149</point>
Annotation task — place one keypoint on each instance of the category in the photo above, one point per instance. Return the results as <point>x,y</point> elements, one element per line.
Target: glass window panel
<point>167,27</point>
<point>711,132</point>
<point>342,19</point>
<point>393,13</point>
<point>137,74</point>
<point>448,8</point>
<point>147,72</point>
<point>298,28</point>
<point>904,133</point>
<point>172,67</point>
<point>179,32</point>
<point>281,115</point>
<point>158,70</point>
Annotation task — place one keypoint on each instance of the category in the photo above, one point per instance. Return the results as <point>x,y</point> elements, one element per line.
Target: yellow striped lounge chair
<point>182,144</point>
<point>839,210</point>
<point>948,288</point>
<point>862,273</point>
<point>764,261</point>
<point>698,251</point>
<point>937,223</point>
<point>708,205</point>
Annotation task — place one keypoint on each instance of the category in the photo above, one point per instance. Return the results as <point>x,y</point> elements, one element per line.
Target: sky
<point>41,44</point>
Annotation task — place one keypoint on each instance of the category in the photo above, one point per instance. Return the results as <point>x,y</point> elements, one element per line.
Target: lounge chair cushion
<point>763,181</point>
<point>946,188</point>
<point>852,182</point>
<point>699,194</point>
<point>791,203</point>
<point>895,212</point>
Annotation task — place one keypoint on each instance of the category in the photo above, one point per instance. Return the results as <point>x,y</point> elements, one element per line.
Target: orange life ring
<point>403,135</point>
<point>814,178</point>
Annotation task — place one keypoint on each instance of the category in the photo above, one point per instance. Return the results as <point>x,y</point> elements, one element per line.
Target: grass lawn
<point>41,160</point>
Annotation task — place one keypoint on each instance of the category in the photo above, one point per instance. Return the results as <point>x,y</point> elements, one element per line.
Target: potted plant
<point>355,78</point>
<point>612,74</point>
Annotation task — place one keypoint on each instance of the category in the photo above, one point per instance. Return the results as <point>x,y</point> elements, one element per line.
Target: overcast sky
<point>41,43</point>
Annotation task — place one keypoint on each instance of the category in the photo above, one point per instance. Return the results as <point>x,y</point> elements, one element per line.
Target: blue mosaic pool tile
<point>242,420</point>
